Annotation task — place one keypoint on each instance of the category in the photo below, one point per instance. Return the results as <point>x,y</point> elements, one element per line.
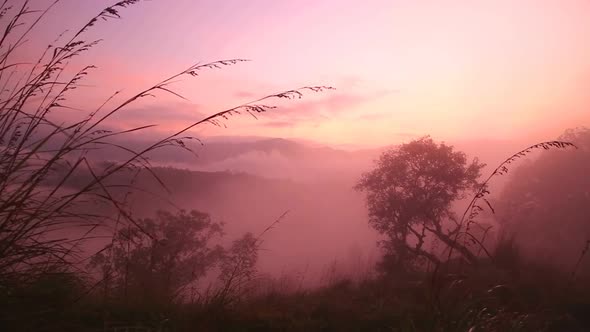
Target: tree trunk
<point>457,246</point>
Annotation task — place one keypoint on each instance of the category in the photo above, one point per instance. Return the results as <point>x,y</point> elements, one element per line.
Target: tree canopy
<point>545,204</point>
<point>409,195</point>
<point>179,250</point>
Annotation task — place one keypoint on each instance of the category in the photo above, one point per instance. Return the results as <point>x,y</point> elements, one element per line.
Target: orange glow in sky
<point>454,69</point>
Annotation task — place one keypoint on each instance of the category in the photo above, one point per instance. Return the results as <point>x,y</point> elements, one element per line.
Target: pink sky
<point>453,69</point>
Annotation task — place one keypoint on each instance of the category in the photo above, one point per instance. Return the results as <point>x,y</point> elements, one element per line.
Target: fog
<point>294,165</point>
<point>248,183</point>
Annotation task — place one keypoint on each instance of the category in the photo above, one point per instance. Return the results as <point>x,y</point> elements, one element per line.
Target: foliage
<point>238,267</point>
<point>151,261</point>
<point>409,195</point>
<point>157,269</point>
<point>485,301</point>
<point>41,150</point>
<point>545,203</point>
<point>34,304</point>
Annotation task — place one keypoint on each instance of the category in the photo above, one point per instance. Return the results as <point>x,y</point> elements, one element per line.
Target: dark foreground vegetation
<point>527,298</point>
<point>75,256</point>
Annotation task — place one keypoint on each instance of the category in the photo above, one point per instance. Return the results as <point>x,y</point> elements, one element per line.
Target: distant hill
<point>248,184</point>
<point>325,221</point>
<point>267,157</point>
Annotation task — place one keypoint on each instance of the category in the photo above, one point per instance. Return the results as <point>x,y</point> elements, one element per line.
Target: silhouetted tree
<point>409,195</point>
<point>43,151</point>
<point>545,205</point>
<point>156,268</point>
<point>238,269</point>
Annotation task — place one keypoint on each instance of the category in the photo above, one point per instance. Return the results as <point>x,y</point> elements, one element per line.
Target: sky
<point>456,69</point>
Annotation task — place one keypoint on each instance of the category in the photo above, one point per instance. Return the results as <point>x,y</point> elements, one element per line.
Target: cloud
<point>279,124</point>
<point>326,107</point>
<point>171,116</point>
<point>167,116</point>
<point>333,104</point>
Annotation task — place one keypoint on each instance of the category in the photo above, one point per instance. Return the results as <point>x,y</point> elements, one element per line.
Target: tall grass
<point>479,200</point>
<point>505,257</point>
<point>39,155</point>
